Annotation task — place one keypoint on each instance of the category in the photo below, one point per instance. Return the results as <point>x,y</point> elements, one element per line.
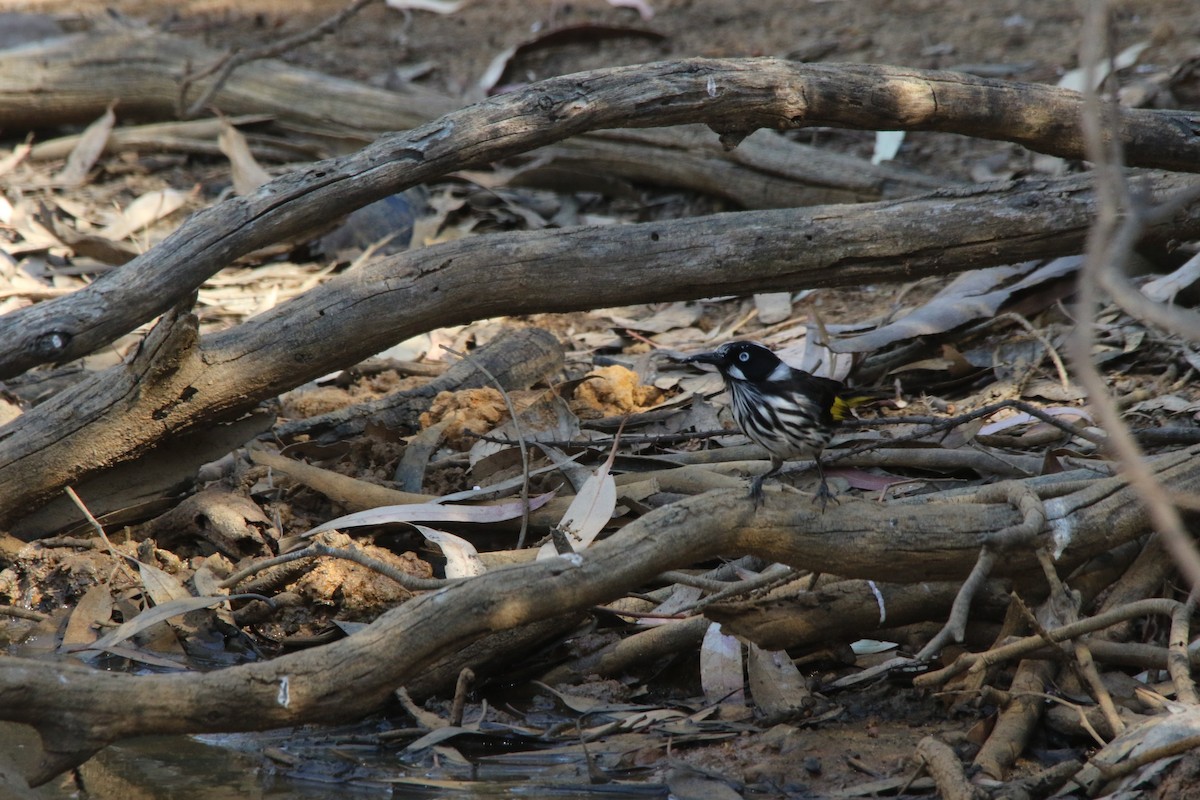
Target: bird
<point>788,411</point>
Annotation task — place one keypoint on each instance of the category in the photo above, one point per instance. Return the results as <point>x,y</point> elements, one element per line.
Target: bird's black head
<point>741,361</point>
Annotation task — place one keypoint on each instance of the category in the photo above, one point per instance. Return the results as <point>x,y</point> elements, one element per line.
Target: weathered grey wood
<point>734,96</point>
<point>362,312</point>
<point>73,79</point>
<point>78,710</point>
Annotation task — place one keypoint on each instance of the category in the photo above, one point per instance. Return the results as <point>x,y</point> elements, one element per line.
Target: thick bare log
<point>364,311</point>
<point>73,80</point>
<point>78,710</point>
<point>735,97</point>
<point>764,171</point>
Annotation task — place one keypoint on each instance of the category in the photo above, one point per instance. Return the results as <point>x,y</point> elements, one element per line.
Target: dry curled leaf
<point>91,145</point>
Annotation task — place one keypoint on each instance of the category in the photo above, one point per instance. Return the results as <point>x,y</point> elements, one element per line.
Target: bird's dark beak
<point>702,358</point>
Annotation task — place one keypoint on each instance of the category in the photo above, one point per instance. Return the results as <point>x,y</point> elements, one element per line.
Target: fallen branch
<point>77,710</point>
<point>734,97</point>
<point>364,311</point>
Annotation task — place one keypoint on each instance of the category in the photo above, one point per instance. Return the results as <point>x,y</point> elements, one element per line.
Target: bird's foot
<point>824,495</point>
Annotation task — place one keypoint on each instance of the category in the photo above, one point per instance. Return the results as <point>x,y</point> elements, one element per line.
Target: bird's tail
<point>849,399</point>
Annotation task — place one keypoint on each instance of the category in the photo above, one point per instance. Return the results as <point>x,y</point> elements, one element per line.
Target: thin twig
<point>1063,378</point>
<point>410,582</point>
<point>512,412</point>
<point>956,625</point>
<point>224,66</point>
<point>1029,644</point>
<point>936,425</point>
<point>1033,520</point>
<point>23,613</point>
<point>461,688</point>
<point>772,576</point>
<point>1110,243</point>
<point>95,523</point>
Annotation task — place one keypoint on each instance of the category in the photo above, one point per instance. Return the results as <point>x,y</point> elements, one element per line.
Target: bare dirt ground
<point>869,734</point>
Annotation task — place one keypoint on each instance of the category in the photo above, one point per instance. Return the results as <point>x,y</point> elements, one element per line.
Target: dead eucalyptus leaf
<point>248,175</point>
<point>462,559</point>
<point>144,212</point>
<point>93,610</point>
<point>1077,78</point>
<point>1171,403</point>
<point>776,684</point>
<point>91,145</point>
<point>435,6</point>
<point>1069,413</point>
<point>590,510</point>
<point>153,616</point>
<point>721,668</point>
<point>675,315</point>
<point>161,586</point>
<point>682,597</point>
<point>549,417</point>
<point>972,296</point>
<point>430,512</point>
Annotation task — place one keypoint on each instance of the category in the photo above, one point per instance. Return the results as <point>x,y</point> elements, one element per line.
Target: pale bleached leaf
<point>462,559</point>
<point>641,6</point>
<point>1163,289</point>
<point>773,307</point>
<point>248,175</point>
<point>11,161</point>
<point>721,667</point>
<point>144,212</point>
<point>436,6</point>
<point>589,512</point>
<point>1076,79</point>
<point>89,148</point>
<point>431,512</point>
<point>682,597</point>
<point>887,145</point>
<point>1024,419</point>
<point>495,69</point>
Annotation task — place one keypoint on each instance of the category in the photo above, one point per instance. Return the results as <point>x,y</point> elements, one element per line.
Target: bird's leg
<point>757,484</point>
<point>824,494</point>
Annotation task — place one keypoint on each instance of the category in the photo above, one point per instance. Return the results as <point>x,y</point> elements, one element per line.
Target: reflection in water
<point>312,764</point>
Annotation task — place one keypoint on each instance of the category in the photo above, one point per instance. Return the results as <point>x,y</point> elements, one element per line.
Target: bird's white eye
<point>743,356</point>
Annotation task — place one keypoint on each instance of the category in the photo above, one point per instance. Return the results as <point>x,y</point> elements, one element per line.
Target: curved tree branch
<point>366,310</point>
<point>733,96</point>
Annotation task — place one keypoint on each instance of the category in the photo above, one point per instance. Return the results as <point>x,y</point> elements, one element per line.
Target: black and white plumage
<point>788,411</point>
